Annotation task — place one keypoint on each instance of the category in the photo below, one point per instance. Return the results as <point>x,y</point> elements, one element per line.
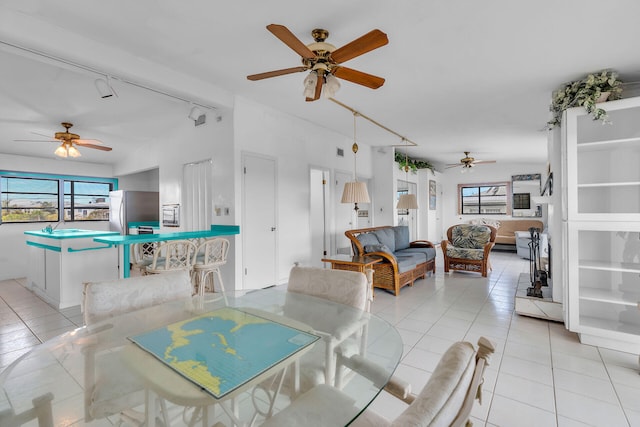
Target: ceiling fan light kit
<point>325,61</point>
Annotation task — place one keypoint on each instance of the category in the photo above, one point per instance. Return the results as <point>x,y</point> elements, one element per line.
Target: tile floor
<point>540,375</point>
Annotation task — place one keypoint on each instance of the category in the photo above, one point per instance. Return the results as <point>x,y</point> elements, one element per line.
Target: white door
<point>259,234</point>
<point>319,215</point>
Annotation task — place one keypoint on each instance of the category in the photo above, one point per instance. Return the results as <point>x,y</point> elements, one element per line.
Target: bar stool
<point>210,256</point>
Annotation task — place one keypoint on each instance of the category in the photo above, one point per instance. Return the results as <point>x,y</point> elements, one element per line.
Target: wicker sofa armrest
<point>421,244</point>
<point>387,257</point>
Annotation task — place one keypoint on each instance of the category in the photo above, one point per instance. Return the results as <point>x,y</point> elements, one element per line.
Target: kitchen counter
<point>126,240</point>
<point>62,260</point>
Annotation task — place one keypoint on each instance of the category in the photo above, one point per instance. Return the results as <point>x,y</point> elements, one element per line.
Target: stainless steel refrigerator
<point>127,207</point>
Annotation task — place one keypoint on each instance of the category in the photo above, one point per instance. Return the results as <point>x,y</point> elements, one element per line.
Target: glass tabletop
<point>63,367</point>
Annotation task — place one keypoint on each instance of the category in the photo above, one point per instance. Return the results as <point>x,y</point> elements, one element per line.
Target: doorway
<point>259,234</point>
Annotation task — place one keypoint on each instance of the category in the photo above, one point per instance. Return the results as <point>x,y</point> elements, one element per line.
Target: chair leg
<point>224,294</point>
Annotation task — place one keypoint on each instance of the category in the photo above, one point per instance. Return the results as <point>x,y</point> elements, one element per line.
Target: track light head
<point>104,88</point>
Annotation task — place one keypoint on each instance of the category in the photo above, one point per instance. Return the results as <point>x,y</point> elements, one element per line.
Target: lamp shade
<point>355,192</point>
<point>73,151</point>
<point>407,201</point>
<point>61,151</point>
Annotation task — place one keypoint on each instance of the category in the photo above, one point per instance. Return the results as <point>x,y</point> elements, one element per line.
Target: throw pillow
<point>367,239</point>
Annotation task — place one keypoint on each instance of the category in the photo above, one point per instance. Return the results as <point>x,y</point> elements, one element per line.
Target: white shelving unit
<point>601,218</point>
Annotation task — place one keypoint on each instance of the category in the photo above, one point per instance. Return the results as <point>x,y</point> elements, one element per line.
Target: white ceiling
<point>460,75</point>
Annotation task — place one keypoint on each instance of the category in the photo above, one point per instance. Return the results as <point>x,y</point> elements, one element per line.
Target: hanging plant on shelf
<point>587,92</point>
<point>413,164</point>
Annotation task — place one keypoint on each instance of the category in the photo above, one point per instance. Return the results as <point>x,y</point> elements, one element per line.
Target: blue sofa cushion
<point>378,248</point>
<point>386,236</point>
<point>401,233</point>
<point>366,239</point>
<point>406,263</point>
<point>429,253</point>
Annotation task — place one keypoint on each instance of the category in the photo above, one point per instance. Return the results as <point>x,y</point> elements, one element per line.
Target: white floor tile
<point>588,410</point>
<point>509,412</point>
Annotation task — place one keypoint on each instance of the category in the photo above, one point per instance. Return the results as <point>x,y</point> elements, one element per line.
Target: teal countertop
<point>71,233</point>
<point>216,230</point>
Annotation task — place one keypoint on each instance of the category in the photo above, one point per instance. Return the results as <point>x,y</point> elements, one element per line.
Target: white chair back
<point>111,298</point>
<point>173,255</point>
<point>341,286</point>
<point>212,252</point>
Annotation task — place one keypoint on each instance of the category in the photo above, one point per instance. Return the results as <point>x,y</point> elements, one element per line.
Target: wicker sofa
<point>403,261</point>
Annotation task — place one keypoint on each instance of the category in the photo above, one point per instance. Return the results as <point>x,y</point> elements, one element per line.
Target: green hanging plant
<point>594,88</point>
<point>414,164</point>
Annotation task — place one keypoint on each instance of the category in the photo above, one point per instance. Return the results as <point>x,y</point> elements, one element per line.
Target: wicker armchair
<point>467,248</point>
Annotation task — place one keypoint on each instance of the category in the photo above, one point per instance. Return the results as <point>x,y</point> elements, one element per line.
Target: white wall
<point>297,144</point>
<point>141,181</point>
<point>13,249</point>
<point>497,172</point>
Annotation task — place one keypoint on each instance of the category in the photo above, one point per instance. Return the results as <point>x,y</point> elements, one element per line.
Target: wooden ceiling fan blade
<point>318,91</point>
<point>84,142</point>
<point>288,38</point>
<point>97,147</point>
<point>358,77</point>
<point>453,166</point>
<point>276,73</point>
<point>36,140</point>
<point>370,41</point>
<point>480,162</point>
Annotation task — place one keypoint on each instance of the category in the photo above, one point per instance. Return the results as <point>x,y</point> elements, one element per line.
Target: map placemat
<point>223,349</point>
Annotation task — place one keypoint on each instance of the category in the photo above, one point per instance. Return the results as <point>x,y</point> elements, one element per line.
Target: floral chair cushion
<point>470,236</point>
<point>465,253</point>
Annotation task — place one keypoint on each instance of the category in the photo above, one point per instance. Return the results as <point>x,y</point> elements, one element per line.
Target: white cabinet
<point>602,218</point>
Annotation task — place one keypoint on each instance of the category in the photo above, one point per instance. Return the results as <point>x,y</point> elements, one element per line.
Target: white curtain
<point>197,191</point>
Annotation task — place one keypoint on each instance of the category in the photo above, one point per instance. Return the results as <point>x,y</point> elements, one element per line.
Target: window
<point>28,197</point>
<point>86,201</point>
<point>521,201</point>
<point>481,199</point>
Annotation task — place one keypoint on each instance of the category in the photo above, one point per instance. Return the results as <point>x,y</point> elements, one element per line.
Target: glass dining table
<point>206,360</point>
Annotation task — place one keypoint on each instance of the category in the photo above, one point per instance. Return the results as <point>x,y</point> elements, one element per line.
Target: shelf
<point>623,267</point>
<point>609,297</point>
<point>606,144</point>
<point>610,184</point>
<point>609,325</point>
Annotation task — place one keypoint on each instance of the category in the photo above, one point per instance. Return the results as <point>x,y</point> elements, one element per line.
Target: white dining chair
<point>142,255</point>
<point>211,254</point>
<point>344,328</point>
<point>172,255</point>
<point>109,389</point>
<point>445,401</point>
